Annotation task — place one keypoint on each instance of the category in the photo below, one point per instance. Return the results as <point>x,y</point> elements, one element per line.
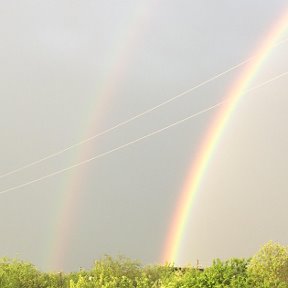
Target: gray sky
<point>71,69</point>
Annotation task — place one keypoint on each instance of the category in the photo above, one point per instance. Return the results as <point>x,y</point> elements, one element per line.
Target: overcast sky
<point>72,69</point>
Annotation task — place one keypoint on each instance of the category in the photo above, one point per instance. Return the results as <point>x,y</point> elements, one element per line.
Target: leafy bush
<point>267,269</point>
<point>15,273</point>
<point>269,266</point>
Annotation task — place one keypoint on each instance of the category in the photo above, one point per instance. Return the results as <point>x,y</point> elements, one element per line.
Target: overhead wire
<point>53,155</point>
<point>101,155</point>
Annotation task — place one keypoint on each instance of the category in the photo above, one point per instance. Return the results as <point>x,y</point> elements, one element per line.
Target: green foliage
<point>158,274</point>
<point>18,274</point>
<point>120,271</point>
<point>54,280</point>
<point>230,273</point>
<point>270,265</point>
<point>109,272</point>
<point>267,269</point>
<point>14,273</point>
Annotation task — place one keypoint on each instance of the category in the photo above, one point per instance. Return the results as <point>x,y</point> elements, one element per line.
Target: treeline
<point>267,268</point>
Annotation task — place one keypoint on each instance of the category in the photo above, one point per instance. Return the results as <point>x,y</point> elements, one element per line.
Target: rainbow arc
<point>199,166</point>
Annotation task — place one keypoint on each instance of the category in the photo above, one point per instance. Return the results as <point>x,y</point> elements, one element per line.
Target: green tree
<point>15,273</point>
<point>230,273</point>
<point>269,265</point>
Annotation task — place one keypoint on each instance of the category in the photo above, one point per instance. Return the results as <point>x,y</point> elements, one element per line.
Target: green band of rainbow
<point>209,144</point>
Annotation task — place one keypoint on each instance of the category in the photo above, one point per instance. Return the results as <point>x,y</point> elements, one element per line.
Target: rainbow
<point>209,144</point>
<point>64,218</point>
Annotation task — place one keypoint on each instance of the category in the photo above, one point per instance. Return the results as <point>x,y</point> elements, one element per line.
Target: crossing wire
<point>53,155</point>
<point>101,155</point>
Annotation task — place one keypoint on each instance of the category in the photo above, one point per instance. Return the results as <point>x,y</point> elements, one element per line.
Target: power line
<point>123,122</point>
<point>53,155</point>
<point>139,139</point>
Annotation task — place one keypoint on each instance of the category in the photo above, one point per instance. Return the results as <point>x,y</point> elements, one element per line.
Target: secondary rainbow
<point>71,192</point>
<point>211,139</point>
